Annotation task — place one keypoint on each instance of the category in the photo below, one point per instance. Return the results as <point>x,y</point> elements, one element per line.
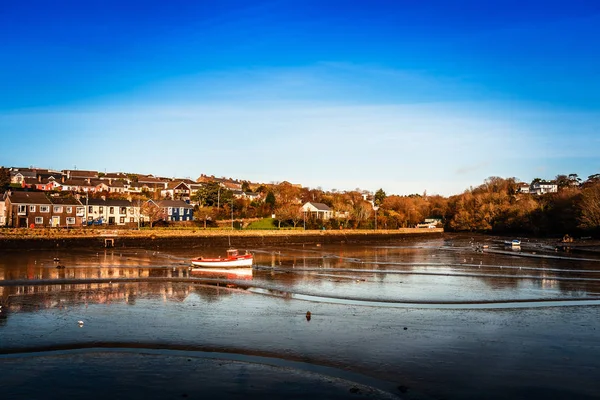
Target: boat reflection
<point>223,273</point>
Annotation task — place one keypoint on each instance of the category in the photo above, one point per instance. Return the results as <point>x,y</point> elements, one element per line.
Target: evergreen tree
<point>4,178</point>
<point>270,201</point>
<point>379,197</point>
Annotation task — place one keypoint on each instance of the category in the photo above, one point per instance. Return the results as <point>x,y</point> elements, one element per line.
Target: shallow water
<point>417,318</point>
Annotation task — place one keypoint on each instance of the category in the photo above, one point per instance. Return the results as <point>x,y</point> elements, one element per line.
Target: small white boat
<point>513,243</point>
<point>232,260</point>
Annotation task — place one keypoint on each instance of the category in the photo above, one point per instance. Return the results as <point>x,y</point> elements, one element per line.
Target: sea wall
<point>192,239</point>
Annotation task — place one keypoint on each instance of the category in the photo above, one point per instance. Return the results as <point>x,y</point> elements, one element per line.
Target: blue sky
<point>408,96</point>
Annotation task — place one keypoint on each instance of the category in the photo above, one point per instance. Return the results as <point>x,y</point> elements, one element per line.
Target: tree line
<point>497,206</point>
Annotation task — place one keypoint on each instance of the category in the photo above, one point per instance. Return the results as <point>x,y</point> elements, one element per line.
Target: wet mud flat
<point>172,334</point>
<point>161,374</point>
<point>414,319</point>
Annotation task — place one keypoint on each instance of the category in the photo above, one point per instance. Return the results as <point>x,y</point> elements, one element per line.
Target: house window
<point>69,210</point>
<point>111,210</point>
<point>130,210</point>
<point>31,208</point>
<point>123,210</point>
<point>58,209</point>
<point>131,219</point>
<point>39,220</point>
<point>91,209</point>
<point>170,212</point>
<point>44,209</point>
<point>122,220</point>
<point>180,210</point>
<point>70,220</point>
<point>22,209</point>
<point>80,211</point>
<point>101,209</point>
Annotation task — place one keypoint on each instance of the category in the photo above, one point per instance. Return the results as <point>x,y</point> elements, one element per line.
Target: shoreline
<point>49,239</point>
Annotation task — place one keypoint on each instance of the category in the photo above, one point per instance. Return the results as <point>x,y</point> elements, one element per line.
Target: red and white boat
<point>232,260</point>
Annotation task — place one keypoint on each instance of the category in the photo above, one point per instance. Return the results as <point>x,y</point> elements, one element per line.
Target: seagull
<point>80,323</point>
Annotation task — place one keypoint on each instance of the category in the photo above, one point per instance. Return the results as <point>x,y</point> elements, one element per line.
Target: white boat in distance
<point>232,260</point>
<point>513,243</point>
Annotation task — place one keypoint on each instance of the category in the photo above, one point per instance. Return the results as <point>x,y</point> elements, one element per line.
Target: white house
<point>317,210</point>
<point>523,187</point>
<point>176,191</point>
<point>543,187</point>
<point>111,212</point>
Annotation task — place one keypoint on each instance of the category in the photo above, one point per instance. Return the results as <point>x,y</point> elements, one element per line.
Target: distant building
<point>3,210</point>
<point>523,187</point>
<point>79,174</point>
<point>177,190</point>
<point>239,194</point>
<point>543,188</point>
<point>19,176</point>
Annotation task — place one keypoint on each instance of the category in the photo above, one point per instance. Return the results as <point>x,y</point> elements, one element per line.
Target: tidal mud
<point>419,318</point>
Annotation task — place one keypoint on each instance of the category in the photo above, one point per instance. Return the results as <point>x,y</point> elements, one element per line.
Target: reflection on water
<point>223,273</point>
<point>433,317</point>
<point>411,271</point>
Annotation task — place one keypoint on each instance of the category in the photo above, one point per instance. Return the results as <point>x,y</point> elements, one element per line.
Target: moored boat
<point>513,243</point>
<point>233,259</point>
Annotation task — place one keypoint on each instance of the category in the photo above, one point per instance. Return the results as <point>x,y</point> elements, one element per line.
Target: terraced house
<point>112,212</point>
<point>40,210</point>
<point>176,210</point>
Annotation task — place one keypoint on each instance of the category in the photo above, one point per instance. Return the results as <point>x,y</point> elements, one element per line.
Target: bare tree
<point>590,207</point>
<point>206,213</point>
<point>153,212</point>
<point>296,214</point>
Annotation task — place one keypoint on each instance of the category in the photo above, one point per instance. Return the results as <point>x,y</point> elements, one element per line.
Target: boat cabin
<point>232,253</point>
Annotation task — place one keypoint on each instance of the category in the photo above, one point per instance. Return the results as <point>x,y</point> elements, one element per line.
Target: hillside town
<point>40,198</point>
<point>43,198</point>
